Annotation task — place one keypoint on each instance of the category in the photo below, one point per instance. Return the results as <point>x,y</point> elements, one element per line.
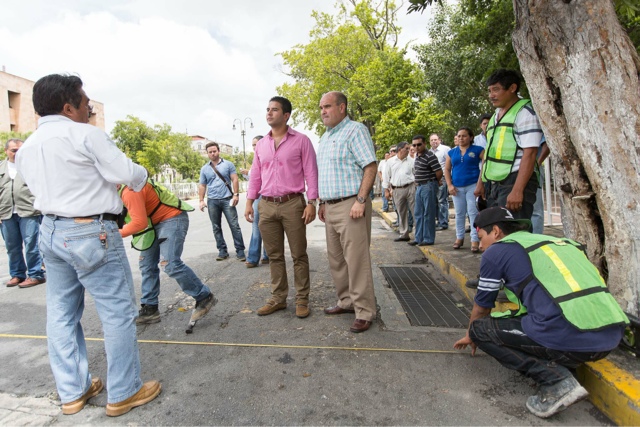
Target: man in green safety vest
<point>158,222</point>
<point>565,315</point>
<point>513,137</point>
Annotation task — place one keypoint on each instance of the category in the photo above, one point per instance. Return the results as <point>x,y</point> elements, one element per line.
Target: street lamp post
<point>243,132</point>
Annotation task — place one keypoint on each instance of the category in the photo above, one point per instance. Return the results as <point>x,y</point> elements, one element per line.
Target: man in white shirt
<point>481,139</point>
<point>399,183</point>
<point>72,169</point>
<point>441,150</point>
<point>381,167</point>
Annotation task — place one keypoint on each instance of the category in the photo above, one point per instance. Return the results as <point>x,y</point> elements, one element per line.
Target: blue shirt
<point>509,264</point>
<point>465,170</point>
<point>216,188</point>
<point>343,152</point>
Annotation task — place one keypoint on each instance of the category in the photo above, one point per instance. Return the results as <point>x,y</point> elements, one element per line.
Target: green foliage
<point>467,44</point>
<point>157,147</point>
<point>355,52</point>
<point>5,136</point>
<point>469,40</point>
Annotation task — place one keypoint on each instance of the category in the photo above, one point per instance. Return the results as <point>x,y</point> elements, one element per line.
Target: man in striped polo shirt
<point>427,172</point>
<point>346,172</point>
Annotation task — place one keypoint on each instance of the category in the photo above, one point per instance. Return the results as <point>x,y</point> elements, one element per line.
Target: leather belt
<point>104,216</point>
<point>282,199</point>
<point>401,186</point>
<point>342,199</point>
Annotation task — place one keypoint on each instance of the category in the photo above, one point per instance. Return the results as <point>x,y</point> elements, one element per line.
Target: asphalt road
<point>241,369</point>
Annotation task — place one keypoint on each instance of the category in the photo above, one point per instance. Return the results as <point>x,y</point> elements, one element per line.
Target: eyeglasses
<point>416,145</point>
<point>14,150</point>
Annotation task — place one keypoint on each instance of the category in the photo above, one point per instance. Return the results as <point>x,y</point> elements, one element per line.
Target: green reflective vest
<point>500,153</point>
<point>144,239</point>
<point>569,278</point>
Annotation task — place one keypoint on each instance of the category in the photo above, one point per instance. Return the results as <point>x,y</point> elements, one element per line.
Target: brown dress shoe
<point>336,309</point>
<point>302,311</point>
<point>77,405</point>
<point>271,307</point>
<point>149,391</point>
<point>15,281</point>
<point>31,282</point>
<point>360,326</point>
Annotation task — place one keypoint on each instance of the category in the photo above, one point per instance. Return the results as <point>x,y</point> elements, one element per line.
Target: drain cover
<point>425,303</point>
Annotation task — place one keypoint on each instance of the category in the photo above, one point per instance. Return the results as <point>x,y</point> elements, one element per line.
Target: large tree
<point>356,52</point>
<point>582,71</point>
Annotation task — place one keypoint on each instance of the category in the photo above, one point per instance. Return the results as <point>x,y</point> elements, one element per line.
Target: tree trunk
<point>582,72</point>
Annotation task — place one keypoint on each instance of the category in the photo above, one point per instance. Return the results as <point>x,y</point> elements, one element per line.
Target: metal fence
<point>184,190</point>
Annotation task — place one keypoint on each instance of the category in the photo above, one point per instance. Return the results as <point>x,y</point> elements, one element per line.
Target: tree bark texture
<point>582,72</point>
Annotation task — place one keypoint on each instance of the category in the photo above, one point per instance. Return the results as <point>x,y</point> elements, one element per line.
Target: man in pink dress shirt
<point>283,162</point>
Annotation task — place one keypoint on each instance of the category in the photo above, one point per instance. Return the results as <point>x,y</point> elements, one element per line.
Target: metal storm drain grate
<point>425,303</point>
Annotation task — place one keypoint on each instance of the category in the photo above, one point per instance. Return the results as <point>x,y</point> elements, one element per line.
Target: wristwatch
<point>312,202</point>
<point>361,200</point>
<point>236,194</point>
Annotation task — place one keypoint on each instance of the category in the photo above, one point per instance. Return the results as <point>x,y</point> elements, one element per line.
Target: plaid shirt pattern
<point>343,153</point>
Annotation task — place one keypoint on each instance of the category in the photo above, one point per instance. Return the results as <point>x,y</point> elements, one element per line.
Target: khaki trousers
<point>276,221</point>
<point>405,199</point>
<point>348,242</point>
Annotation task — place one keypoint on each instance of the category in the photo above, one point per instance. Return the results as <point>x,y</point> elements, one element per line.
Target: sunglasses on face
<point>417,145</point>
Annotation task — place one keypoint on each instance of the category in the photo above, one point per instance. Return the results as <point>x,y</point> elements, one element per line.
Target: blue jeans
<point>464,203</point>
<point>385,202</point>
<point>425,212</point>
<point>167,250</point>
<point>77,261</point>
<point>255,245</point>
<point>443,205</point>
<point>15,231</point>
<point>504,340</point>
<point>216,208</point>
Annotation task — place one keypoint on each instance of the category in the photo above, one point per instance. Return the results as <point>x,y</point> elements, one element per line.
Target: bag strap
<point>222,178</point>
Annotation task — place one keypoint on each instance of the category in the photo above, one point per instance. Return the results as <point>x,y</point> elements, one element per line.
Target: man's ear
<point>513,88</point>
<point>67,110</point>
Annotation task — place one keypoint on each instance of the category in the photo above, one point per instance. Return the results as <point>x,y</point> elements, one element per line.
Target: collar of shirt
<point>401,171</point>
<point>339,126</point>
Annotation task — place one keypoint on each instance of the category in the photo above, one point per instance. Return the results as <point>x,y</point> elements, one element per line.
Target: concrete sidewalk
<point>613,383</point>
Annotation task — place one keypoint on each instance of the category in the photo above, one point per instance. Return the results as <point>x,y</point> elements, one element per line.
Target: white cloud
<point>195,65</point>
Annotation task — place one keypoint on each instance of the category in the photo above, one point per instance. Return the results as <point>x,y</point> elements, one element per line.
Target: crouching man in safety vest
<point>158,222</point>
<point>563,315</point>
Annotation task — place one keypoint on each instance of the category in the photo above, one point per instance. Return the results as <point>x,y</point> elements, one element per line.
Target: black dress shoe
<point>360,325</point>
<point>336,309</point>
<point>425,244</point>
<point>412,243</point>
<point>401,239</point>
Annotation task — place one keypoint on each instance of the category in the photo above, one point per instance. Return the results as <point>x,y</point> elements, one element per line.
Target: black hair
<point>401,145</point>
<point>507,227</point>
<point>469,131</point>
<point>258,137</point>
<point>485,116</point>
<point>212,144</point>
<point>284,103</point>
<point>52,92</point>
<point>421,137</point>
<point>506,78</point>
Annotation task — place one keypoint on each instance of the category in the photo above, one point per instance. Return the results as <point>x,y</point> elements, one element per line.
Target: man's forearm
<point>368,179</point>
<point>201,191</point>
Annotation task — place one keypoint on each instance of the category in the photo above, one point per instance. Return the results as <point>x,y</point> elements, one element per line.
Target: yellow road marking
<point>224,344</point>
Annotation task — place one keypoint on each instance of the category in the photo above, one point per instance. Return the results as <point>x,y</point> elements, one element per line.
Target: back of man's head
<point>52,92</point>
<point>506,78</point>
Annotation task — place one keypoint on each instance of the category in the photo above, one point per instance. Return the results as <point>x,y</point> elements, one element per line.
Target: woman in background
<point>461,172</point>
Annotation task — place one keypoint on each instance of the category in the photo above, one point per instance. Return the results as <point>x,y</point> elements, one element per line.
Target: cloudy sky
<point>194,64</point>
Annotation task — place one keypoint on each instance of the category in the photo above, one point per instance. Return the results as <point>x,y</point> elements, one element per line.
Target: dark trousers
<point>504,340</point>
<point>496,193</point>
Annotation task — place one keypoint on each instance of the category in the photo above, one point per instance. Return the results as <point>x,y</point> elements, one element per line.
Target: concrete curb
<point>613,390</point>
